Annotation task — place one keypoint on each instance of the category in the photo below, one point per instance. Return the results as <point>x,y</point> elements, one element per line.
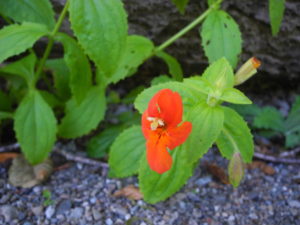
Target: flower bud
<point>236,170</point>
<point>246,71</point>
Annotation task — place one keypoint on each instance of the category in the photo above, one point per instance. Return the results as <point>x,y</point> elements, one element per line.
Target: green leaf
<point>160,80</point>
<point>61,75</point>
<point>15,39</point>
<point>199,84</point>
<point>296,106</point>
<point>292,125</point>
<point>5,115</point>
<point>126,152</point>
<point>81,118</point>
<point>174,67</point>
<point>235,137</point>
<point>219,74</point>
<point>292,122</point>
<point>5,102</point>
<point>37,11</point>
<point>101,29</point>
<point>131,96</point>
<point>24,68</point>
<point>51,99</point>
<point>207,124</point>
<point>292,139</point>
<point>35,127</point>
<point>79,66</point>
<point>247,111</point>
<point>138,49</point>
<point>98,146</point>
<point>221,37</point>
<point>269,118</point>
<point>180,4</point>
<point>276,12</point>
<point>189,96</point>
<point>233,95</point>
<point>158,187</point>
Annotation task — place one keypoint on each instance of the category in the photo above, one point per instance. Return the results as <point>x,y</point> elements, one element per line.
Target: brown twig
<point>80,159</point>
<point>276,159</point>
<point>67,155</point>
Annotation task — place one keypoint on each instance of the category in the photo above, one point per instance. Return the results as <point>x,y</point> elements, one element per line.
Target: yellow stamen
<point>156,122</point>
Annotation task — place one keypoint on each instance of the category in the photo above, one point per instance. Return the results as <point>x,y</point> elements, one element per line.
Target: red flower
<point>160,127</point>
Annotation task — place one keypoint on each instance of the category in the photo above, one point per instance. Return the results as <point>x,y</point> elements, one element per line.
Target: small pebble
<point>49,211</point>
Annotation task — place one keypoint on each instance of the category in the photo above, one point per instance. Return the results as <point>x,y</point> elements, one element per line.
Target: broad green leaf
<point>233,95</point>
<point>81,118</point>
<point>51,99</point>
<point>5,115</point>
<point>101,29</point>
<point>276,12</point>
<point>61,75</point>
<point>269,118</point>
<point>207,124</point>
<point>5,102</point>
<point>292,125</point>
<point>235,137</point>
<point>180,4</point>
<point>247,111</point>
<point>221,37</point>
<point>129,118</point>
<point>199,84</point>
<point>158,187</point>
<point>292,139</point>
<point>160,80</point>
<point>219,74</point>
<point>131,96</point>
<point>189,97</point>
<point>296,106</point>
<point>35,127</point>
<point>37,11</point>
<point>292,122</point>
<point>98,146</point>
<point>174,67</point>
<point>138,49</point>
<point>15,39</point>
<point>24,68</point>
<point>126,152</point>
<point>79,66</point>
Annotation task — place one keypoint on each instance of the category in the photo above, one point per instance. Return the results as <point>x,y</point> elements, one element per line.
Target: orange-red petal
<point>178,135</point>
<point>157,155</point>
<point>146,124</point>
<point>166,105</point>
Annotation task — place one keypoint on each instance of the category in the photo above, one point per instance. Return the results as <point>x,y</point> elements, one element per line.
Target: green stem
<point>188,27</point>
<point>51,39</point>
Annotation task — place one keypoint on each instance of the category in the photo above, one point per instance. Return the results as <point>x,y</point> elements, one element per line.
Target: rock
<point>96,214</point>
<point>159,20</point>
<point>27,223</point>
<point>37,211</point>
<point>9,213</point>
<point>76,213</point>
<point>63,206</point>
<point>50,210</point>
<point>294,203</point>
<point>108,221</point>
<point>204,181</point>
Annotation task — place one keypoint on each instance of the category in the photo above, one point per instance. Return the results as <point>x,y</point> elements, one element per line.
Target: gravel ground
<point>82,194</point>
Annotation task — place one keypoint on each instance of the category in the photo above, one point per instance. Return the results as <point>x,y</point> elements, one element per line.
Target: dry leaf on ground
<point>217,172</point>
<point>130,192</point>
<point>264,167</point>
